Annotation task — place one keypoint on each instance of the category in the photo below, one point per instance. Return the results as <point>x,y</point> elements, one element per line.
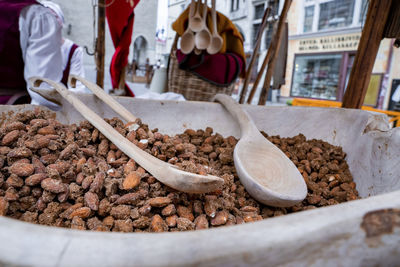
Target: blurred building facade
<point>245,14</point>
<point>80,27</point>
<point>323,40</point>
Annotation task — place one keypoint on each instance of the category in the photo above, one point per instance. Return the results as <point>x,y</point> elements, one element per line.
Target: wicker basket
<point>188,84</point>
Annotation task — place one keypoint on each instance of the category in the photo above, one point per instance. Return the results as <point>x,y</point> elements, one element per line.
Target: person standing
<point>30,45</point>
<point>72,54</point>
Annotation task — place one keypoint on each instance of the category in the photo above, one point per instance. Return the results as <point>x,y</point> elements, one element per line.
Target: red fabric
<point>64,79</point>
<point>120,17</point>
<point>220,69</point>
<point>4,99</point>
<point>11,60</point>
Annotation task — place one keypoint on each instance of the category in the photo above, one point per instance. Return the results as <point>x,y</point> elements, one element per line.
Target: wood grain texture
<point>392,28</point>
<point>100,43</point>
<point>275,49</point>
<point>110,101</point>
<point>255,54</point>
<point>265,171</point>
<point>262,69</point>
<point>162,171</point>
<point>368,47</point>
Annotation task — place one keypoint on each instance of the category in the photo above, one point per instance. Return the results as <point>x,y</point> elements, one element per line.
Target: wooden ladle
<point>162,171</point>
<point>203,36</point>
<point>187,38</point>
<point>265,171</point>
<point>216,40</point>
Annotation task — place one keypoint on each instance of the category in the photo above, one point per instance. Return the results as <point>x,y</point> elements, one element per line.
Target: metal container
<point>364,232</point>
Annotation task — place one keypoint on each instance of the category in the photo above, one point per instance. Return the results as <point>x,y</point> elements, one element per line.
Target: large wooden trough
<point>364,232</point>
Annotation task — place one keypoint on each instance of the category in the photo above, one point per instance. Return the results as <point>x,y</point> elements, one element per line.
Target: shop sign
<point>349,42</point>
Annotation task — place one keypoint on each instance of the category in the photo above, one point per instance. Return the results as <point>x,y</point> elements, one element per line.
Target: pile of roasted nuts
<point>72,176</point>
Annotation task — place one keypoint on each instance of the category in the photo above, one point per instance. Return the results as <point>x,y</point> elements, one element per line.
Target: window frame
<point>342,74</point>
<point>355,22</point>
<point>255,10</point>
<point>235,5</point>
<point>318,54</point>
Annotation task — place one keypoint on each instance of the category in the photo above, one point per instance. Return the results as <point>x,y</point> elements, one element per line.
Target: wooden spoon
<point>195,23</point>
<point>265,171</point>
<point>216,40</point>
<point>187,38</point>
<point>162,171</point>
<point>203,36</point>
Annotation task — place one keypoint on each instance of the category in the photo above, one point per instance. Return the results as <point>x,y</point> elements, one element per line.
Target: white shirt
<point>76,66</point>
<point>40,40</point>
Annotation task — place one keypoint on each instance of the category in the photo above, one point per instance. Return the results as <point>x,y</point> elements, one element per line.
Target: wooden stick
<point>275,51</point>
<point>161,170</point>
<point>260,72</point>
<point>254,55</point>
<point>109,100</point>
<point>372,34</point>
<point>100,44</point>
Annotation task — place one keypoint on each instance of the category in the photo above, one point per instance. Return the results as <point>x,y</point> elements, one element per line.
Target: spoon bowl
<point>203,39</point>
<point>215,45</point>
<point>265,171</point>
<point>187,41</point>
<point>187,38</point>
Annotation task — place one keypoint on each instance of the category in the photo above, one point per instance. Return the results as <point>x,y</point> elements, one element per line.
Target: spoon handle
<point>246,124</point>
<point>214,18</point>
<point>192,9</point>
<point>117,107</point>
<point>164,172</point>
<point>205,10</point>
<point>144,159</point>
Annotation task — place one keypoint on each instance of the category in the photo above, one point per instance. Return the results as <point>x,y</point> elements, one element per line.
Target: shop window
<point>259,11</point>
<point>335,14</point>
<point>316,76</point>
<point>308,18</point>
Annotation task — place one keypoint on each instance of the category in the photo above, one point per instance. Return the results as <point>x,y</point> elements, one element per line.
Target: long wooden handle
<point>245,122</point>
<point>205,9</point>
<point>372,34</point>
<point>261,71</point>
<point>144,159</point>
<point>109,100</point>
<point>197,13</point>
<point>253,56</point>
<point>275,50</point>
<point>164,172</point>
<point>192,9</point>
<point>214,17</point>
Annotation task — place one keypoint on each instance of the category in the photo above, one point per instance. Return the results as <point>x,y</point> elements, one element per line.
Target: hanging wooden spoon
<point>265,171</point>
<point>203,36</point>
<point>162,171</point>
<point>187,38</point>
<point>216,40</point>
